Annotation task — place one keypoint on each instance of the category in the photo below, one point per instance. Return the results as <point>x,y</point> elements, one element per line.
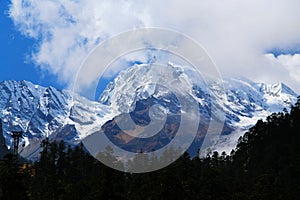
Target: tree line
<point>264,165</point>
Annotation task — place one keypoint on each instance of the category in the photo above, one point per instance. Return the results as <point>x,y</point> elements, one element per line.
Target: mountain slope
<point>45,111</point>
<point>246,102</point>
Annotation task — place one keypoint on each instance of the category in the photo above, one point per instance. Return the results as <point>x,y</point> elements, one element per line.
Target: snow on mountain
<point>40,112</point>
<point>59,114</point>
<point>141,82</point>
<point>246,100</point>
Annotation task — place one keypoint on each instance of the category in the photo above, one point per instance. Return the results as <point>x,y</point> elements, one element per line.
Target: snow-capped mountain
<point>44,112</point>
<point>245,102</point>
<point>248,102</point>
<point>59,114</point>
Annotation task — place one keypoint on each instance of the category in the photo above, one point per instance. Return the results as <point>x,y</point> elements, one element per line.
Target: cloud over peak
<point>235,33</point>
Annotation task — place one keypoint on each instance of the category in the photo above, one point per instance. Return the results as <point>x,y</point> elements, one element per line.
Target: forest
<point>264,165</point>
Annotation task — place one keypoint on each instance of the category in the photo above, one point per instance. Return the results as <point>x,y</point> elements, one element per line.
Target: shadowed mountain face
<point>128,139</point>
<point>61,115</point>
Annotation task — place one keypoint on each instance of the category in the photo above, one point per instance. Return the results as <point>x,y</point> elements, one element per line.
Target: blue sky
<point>45,41</point>
<point>14,52</point>
<point>16,63</point>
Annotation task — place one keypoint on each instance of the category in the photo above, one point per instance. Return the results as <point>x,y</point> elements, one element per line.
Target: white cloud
<point>68,30</point>
<point>235,33</point>
<point>291,64</point>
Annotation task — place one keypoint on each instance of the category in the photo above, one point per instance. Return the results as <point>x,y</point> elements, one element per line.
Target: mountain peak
<point>276,89</point>
<point>140,82</point>
<point>45,111</point>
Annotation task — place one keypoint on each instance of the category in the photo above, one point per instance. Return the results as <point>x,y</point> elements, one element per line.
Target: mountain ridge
<point>60,114</point>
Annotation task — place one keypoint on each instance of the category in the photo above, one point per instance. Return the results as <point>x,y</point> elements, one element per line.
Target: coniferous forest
<point>264,165</point>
